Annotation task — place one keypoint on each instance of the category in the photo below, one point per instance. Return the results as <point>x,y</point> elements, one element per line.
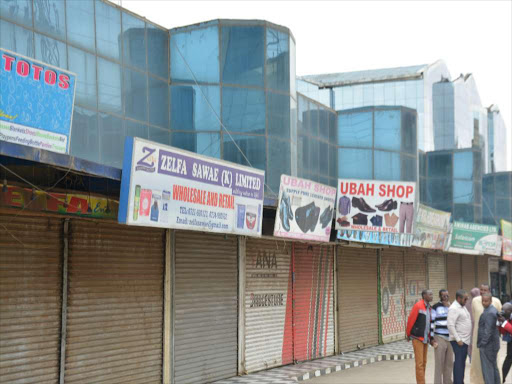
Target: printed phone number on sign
<point>203,213</point>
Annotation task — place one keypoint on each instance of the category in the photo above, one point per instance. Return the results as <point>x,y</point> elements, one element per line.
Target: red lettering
<point>54,201</point>
<point>37,71</point>
<point>382,190</point>
<point>77,203</point>
<point>8,62</point>
<point>391,191</point>
<point>63,81</point>
<point>50,77</point>
<point>353,189</point>
<point>22,68</point>
<point>343,188</point>
<point>370,189</point>
<point>409,190</point>
<point>14,197</point>
<point>361,190</point>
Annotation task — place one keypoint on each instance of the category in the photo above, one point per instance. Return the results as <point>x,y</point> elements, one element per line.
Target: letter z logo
<point>147,163</point>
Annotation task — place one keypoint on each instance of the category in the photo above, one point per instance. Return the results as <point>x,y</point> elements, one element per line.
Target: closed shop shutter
<point>392,295</point>
<point>313,313</point>
<point>206,307</point>
<point>454,273</point>
<point>468,273</point>
<point>30,299</point>
<point>483,270</point>
<point>115,303</point>
<point>268,320</point>
<point>357,298</point>
<point>437,274</point>
<point>415,278</point>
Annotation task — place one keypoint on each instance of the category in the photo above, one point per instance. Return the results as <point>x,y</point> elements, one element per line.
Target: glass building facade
<point>496,140</point>
<point>497,197</point>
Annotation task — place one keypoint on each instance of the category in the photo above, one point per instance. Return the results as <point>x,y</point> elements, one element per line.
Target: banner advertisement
<point>305,210</point>
<point>166,187</point>
<point>376,206</point>
<point>36,103</point>
<point>431,228</point>
<point>474,239</point>
<point>379,238</point>
<point>506,230</point>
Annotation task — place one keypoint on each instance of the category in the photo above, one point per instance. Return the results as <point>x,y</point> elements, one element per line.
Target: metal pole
<point>242,255</point>
<point>379,299</point>
<point>336,308</point>
<point>64,313</point>
<point>166,376</point>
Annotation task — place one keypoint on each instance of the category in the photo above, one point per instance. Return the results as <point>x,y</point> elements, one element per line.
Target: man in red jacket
<point>419,329</point>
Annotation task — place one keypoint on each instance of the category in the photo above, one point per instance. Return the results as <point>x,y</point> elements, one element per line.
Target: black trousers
<point>508,361</point>
<point>459,364</point>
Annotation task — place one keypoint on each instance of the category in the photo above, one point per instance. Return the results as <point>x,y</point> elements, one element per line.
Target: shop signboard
<point>166,187</point>
<point>506,230</point>
<point>431,228</point>
<point>305,209</point>
<point>376,206</point>
<point>380,238</point>
<point>474,239</point>
<point>36,103</point>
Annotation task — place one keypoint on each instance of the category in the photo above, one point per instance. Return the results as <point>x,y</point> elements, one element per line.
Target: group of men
<point>470,326</point>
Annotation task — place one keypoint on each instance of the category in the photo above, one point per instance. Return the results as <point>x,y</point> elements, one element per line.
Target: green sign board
<point>506,229</point>
<point>475,239</point>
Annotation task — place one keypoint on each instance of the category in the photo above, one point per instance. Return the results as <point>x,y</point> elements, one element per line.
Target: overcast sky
<point>337,36</point>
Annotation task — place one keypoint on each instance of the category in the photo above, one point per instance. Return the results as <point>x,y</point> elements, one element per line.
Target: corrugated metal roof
<point>372,75</point>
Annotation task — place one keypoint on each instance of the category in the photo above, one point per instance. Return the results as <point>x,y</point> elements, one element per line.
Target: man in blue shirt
<point>444,352</point>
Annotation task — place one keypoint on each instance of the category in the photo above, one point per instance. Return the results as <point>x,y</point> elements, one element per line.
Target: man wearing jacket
<point>488,341</point>
<point>419,329</point>
<point>506,331</point>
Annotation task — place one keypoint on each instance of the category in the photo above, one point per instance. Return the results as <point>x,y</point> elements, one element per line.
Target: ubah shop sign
<point>474,239</point>
<point>431,228</point>
<point>506,230</point>
<point>36,103</point>
<point>305,209</point>
<point>167,187</point>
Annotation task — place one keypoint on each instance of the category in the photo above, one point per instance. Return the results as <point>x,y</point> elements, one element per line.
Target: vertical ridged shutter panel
<point>115,303</point>
<point>206,308</point>
<point>415,278</point>
<point>357,298</point>
<point>454,273</point>
<point>30,299</point>
<point>483,270</point>
<point>392,295</point>
<point>267,279</point>
<point>468,273</point>
<point>437,274</point>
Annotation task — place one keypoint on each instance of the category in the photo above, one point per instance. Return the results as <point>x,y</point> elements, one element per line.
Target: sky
<point>339,36</point>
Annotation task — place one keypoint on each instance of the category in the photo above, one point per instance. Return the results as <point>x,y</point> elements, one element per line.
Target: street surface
<point>393,372</point>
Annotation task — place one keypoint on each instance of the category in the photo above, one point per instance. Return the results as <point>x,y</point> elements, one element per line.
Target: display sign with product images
<point>431,228</point>
<point>474,239</point>
<point>36,103</point>
<point>305,209</point>
<point>166,187</point>
<point>376,206</point>
<point>506,230</point>
<point>380,238</point>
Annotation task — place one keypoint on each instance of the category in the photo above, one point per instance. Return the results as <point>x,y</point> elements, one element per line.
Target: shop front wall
<point>415,278</point>
<point>469,279</point>
<point>454,273</point>
<point>436,264</point>
<point>482,273</point>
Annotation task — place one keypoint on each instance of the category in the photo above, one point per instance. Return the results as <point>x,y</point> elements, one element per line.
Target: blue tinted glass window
<point>134,129</point>
<point>50,17</point>
<point>51,51</point>
<point>387,130</point>
<point>358,95</point>
<point>80,23</point>
<point>135,95</point>
<point>84,65</point>
<point>158,51</point>
<point>158,102</point>
<point>400,92</point>
<point>200,49</point>
<point>463,165</point>
<point>462,191</point>
<point>323,123</point>
<point>111,140</point>
<point>355,129</point>
<point>19,11</point>
<point>504,207</point>
<point>108,30</point>
<point>314,157</point>
<point>503,186</point>
<point>439,194</point>
<point>333,128</point>
<point>84,135</point>
<point>312,121</point>
<point>303,155</point>
<point>409,170</point>
<point>292,60</point>
<point>410,90</point>
<point>386,165</point>
<point>409,132</point>
<point>464,212</point>
<point>253,147</point>
<point>333,162</point>
<point>368,95</point>
<point>109,86</point>
<point>378,93</point>
<point>195,108</point>
<point>439,165</point>
<point>355,163</point>
<point>278,60</point>
<point>242,55</point>
<point>134,41</point>
<point>279,159</point>
<point>207,144</point>
<point>279,115</point>
<point>16,39</point>
<point>323,154</point>
<point>243,110</point>
<point>389,93</point>
<point>162,136</point>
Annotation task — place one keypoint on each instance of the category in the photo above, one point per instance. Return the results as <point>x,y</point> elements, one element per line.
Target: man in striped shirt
<point>444,352</point>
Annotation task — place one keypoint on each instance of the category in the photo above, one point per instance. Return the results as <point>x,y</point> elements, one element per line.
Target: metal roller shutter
<point>454,273</point>
<point>437,274</point>
<point>115,303</point>
<point>483,270</point>
<point>268,321</point>
<point>392,295</point>
<point>468,273</point>
<point>313,314</point>
<point>206,307</point>
<point>415,278</point>
<point>30,299</point>
<point>357,284</point>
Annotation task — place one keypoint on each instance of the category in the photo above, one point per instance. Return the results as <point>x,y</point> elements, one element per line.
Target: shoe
<point>383,204</point>
<point>359,203</point>
<point>307,217</point>
<point>343,222</point>
<point>285,212</point>
<point>388,205</point>
<point>326,217</point>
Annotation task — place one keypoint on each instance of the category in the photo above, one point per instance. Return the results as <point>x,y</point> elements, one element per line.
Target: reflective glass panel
<point>135,95</point>
<point>463,165</point>
<point>279,159</point>
<point>134,41</point>
<point>278,60</point>
<point>135,129</point>
<point>323,123</point>
<point>409,164</point>
<point>200,49</point>
<point>323,160</point>
<point>439,165</point>
<point>16,39</point>
<point>243,110</point>
<point>253,147</point>
<point>51,51</point>
<point>158,102</point>
<point>195,109</point>
<point>314,157</point>
<point>387,129</point>
<point>162,136</point>
<point>80,23</point>
<point>409,132</point>
<point>50,17</point>
<point>503,185</point>
<point>386,165</point>
<point>109,86</point>
<point>355,129</point>
<point>279,115</point>
<point>503,207</point>
<point>355,163</point>
<point>304,165</point>
<point>439,194</point>
<point>84,65</point>
<point>242,55</point>
<point>293,77</point>
<point>158,51</point>
<point>313,119</point>
<point>84,135</point>
<point>111,140</point>
<point>108,30</point>
<point>19,11</point>
<point>207,144</point>
<point>464,212</point>
<point>333,162</point>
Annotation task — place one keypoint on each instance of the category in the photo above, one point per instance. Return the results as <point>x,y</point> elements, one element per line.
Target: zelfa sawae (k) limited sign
<point>474,239</point>
<point>305,209</point>
<point>36,103</point>
<point>506,230</point>
<point>166,187</point>
<point>432,228</point>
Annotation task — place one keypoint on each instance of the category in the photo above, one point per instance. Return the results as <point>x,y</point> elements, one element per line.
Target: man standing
<point>478,309</point>
<point>419,329</point>
<point>459,328</point>
<point>489,341</point>
<point>506,330</point>
<point>443,353</point>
